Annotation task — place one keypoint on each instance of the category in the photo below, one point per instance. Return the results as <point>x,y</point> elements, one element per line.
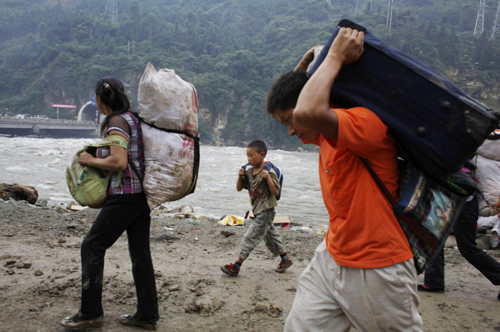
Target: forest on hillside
<point>53,51</point>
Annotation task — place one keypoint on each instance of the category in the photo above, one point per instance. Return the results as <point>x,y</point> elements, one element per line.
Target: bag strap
<point>416,227</point>
<point>195,137</point>
<point>379,182</point>
<point>136,171</point>
<point>410,222</point>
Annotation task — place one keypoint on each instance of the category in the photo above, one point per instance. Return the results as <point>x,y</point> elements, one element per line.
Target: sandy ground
<point>40,277</point>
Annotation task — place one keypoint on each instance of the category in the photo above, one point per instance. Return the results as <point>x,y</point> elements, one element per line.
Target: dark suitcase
<point>436,124</point>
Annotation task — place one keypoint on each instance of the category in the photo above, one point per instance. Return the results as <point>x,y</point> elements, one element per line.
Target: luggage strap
<point>132,165</point>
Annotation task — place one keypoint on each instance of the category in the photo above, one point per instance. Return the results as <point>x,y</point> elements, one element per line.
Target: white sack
<point>169,162</point>
<point>490,149</point>
<point>166,101</point>
<point>487,176</point>
<point>484,223</point>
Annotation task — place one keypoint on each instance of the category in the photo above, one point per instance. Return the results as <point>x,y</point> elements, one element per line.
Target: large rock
<point>18,192</point>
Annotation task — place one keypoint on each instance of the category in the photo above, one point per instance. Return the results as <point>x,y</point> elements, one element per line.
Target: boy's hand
<point>265,174</point>
<point>241,172</point>
<point>347,46</point>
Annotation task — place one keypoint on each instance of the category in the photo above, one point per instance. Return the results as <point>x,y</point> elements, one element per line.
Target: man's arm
<point>313,106</point>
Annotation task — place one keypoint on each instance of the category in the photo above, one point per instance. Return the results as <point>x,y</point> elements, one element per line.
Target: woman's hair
<point>112,94</point>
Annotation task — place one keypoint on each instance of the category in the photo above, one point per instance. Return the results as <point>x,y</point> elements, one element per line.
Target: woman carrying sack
<point>126,209</point>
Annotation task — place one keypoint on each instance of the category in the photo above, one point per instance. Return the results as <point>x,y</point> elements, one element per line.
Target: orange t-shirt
<point>363,231</point>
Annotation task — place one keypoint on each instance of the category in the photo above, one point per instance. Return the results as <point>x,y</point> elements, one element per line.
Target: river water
<point>41,163</point>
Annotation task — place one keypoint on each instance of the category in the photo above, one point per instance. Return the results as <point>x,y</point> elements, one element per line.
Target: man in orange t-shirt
<point>362,275</point>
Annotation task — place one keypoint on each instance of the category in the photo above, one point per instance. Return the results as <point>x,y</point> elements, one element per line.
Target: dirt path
<point>40,277</point>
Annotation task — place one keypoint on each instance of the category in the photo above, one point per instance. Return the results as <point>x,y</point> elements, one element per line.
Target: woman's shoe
<point>131,320</point>
<point>424,288</point>
<point>79,321</point>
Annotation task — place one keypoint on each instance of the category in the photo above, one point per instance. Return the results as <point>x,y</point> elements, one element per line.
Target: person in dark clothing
<point>465,234</point>
<point>126,209</point>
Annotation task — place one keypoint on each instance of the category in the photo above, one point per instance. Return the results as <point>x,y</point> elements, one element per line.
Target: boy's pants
<point>335,298</point>
<point>120,213</point>
<point>261,228</point>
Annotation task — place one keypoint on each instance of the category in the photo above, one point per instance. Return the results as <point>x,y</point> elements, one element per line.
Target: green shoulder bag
<point>88,185</point>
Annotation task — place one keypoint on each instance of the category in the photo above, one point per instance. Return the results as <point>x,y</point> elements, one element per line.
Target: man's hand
<point>347,46</point>
<point>85,159</point>
<point>265,174</point>
<point>306,59</point>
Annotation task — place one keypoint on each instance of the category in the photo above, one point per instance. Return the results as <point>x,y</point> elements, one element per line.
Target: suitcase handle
<point>349,24</point>
<point>342,24</point>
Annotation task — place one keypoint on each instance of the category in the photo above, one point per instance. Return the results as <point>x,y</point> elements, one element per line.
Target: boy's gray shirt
<point>260,196</point>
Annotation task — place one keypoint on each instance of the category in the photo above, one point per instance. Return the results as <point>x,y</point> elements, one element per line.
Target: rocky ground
<point>40,277</point>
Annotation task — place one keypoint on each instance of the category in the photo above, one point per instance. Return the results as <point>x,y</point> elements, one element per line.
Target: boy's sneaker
<point>230,270</point>
<point>282,266</point>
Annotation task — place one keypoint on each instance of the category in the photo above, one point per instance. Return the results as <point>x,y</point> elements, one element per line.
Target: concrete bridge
<point>48,127</point>
<point>86,124</point>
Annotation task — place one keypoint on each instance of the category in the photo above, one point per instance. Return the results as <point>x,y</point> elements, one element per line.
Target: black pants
<point>120,213</point>
<point>465,233</point>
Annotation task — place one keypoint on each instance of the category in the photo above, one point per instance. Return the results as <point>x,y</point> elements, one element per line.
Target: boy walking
<point>263,187</point>
<point>362,275</point>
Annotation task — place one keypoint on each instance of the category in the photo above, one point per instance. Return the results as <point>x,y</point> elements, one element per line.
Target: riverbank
<point>40,276</point>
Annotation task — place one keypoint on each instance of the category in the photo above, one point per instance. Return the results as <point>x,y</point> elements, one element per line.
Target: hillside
<point>53,51</point>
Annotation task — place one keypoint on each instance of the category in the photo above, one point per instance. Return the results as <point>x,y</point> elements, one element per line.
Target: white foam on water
<point>16,169</point>
<point>41,162</point>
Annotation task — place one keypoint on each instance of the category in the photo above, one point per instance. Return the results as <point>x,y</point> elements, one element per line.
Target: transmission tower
<point>359,6</point>
<point>495,23</point>
<point>390,5</point>
<point>112,11</point>
<point>479,29</point>
<point>356,8</point>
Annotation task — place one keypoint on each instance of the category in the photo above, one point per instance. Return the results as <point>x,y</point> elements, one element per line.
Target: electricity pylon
<point>479,29</point>
<point>112,11</point>
<point>390,5</point>
<point>492,36</point>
